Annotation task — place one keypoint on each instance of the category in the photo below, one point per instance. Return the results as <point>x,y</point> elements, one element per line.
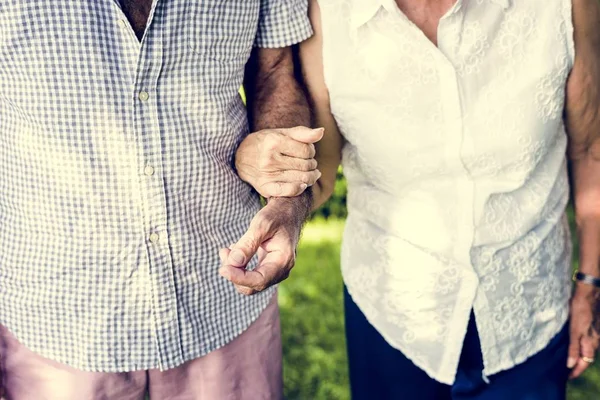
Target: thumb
<point>223,254</point>
<point>245,248</point>
<point>304,134</point>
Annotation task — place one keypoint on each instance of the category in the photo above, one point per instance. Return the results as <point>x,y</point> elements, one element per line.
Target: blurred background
<point>312,314</point>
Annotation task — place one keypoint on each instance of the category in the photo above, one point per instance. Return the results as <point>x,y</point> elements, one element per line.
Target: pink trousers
<point>247,368</point>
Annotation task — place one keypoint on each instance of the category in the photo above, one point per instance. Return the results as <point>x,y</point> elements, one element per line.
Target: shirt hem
<point>146,365</point>
<point>506,365</point>
<point>405,349</point>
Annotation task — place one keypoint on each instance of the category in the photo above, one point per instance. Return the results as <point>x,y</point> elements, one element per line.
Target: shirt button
<point>144,96</point>
<point>122,23</point>
<point>149,170</point>
<point>154,237</point>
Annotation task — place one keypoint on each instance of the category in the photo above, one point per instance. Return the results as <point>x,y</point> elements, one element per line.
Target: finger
<point>245,291</point>
<point>587,349</point>
<point>284,162</point>
<point>276,264</point>
<point>262,253</point>
<point>579,368</point>
<point>247,246</point>
<point>292,148</point>
<point>288,183</point>
<point>304,134</point>
<point>273,273</point>
<point>574,344</point>
<point>308,177</point>
<point>282,189</point>
<point>227,271</point>
<point>274,269</point>
<point>243,277</point>
<point>223,253</point>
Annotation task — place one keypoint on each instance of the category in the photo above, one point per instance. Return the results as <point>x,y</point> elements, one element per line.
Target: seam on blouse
<point>567,13</point>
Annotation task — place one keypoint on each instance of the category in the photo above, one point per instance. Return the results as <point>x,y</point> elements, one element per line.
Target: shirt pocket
<point>223,30</point>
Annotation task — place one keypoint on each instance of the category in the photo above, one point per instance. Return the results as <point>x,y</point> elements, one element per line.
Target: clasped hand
<point>279,164</point>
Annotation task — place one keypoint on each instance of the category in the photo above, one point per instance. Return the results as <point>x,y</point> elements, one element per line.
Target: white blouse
<point>457,179</point>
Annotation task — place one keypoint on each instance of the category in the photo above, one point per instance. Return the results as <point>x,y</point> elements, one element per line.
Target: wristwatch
<point>585,278</point>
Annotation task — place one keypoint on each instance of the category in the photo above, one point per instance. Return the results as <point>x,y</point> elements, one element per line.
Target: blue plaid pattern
<point>116,185</point>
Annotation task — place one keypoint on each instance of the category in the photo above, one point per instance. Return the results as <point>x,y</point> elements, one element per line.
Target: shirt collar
<point>502,3</point>
<point>362,11</point>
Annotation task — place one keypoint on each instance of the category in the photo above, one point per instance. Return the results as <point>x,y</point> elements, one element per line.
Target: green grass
<point>312,318</point>
<point>315,365</point>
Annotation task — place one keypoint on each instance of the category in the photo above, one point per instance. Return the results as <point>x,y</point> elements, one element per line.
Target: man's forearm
<point>276,99</point>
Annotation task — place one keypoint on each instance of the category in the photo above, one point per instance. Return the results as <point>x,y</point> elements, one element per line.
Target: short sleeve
<point>283,23</point>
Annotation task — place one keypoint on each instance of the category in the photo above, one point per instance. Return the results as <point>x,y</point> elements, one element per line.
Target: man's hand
<point>585,328</point>
<point>273,235</point>
<point>279,162</point>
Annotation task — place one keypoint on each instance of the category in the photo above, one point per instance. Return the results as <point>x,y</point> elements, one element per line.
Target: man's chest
<point>137,12</point>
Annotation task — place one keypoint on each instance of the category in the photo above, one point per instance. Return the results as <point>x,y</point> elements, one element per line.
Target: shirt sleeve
<point>282,23</point>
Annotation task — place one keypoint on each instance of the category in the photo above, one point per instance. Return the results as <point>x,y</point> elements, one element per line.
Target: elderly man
<point>458,143</point>
<point>118,126</point>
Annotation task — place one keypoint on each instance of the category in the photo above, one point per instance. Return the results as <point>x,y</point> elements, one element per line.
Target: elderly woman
<point>459,124</point>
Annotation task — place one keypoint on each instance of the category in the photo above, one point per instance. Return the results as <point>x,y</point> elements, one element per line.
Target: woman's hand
<point>585,329</point>
<point>279,162</point>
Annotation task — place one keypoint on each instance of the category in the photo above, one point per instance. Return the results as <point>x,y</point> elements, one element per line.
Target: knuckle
<point>244,290</point>
<point>305,152</point>
<point>248,243</point>
<point>288,190</point>
<point>288,257</point>
<point>271,142</point>
<point>275,189</point>
<point>292,262</point>
<point>272,176</point>
<point>304,166</point>
<point>264,162</point>
<point>314,176</point>
<point>306,178</point>
<point>263,225</point>
<point>297,190</point>
<point>293,163</point>
<point>269,188</point>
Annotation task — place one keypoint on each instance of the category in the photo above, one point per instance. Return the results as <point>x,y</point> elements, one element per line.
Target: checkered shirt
<point>116,180</point>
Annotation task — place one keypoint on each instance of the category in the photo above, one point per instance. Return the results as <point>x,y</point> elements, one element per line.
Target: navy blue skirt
<point>380,372</point>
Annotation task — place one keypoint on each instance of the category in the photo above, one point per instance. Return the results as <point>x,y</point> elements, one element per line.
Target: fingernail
<point>571,362</point>
<point>237,257</point>
<point>303,186</point>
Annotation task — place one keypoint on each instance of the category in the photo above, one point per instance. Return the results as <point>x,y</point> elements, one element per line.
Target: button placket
<point>160,272</point>
<point>148,170</point>
<point>154,237</point>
